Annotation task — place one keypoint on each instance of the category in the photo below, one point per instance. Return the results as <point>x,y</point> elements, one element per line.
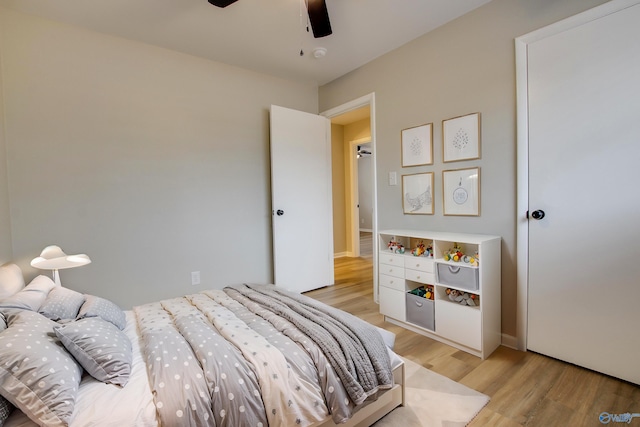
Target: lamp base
<point>56,278</point>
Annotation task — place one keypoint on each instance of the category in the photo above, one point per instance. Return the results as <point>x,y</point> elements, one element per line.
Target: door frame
<point>522,152</point>
<point>363,101</point>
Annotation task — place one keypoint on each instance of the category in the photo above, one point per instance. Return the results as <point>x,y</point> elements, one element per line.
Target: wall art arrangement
<point>460,187</point>
<point>461,138</point>
<point>417,193</point>
<point>461,192</point>
<point>417,145</point>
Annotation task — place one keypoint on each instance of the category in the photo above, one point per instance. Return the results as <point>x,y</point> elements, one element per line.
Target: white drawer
<point>419,276</point>
<point>392,270</point>
<point>419,263</point>
<point>391,259</point>
<point>392,282</point>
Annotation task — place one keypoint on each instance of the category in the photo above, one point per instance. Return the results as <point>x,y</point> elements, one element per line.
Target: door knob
<point>279,212</point>
<point>538,214</point>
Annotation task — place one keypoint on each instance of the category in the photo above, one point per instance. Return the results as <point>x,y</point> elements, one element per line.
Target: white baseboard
<point>340,255</point>
<point>367,230</point>
<point>510,341</point>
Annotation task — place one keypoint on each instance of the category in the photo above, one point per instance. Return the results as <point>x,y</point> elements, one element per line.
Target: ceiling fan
<point>317,10</point>
<point>362,152</point>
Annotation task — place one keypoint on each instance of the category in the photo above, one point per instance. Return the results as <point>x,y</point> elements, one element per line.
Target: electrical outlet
<point>195,278</point>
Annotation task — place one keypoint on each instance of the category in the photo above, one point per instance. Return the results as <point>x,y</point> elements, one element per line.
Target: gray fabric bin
<point>458,276</point>
<point>420,311</point>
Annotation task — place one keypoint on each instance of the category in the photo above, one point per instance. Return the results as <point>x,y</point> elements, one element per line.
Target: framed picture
<point>461,138</point>
<point>417,193</point>
<point>461,192</point>
<point>417,145</point>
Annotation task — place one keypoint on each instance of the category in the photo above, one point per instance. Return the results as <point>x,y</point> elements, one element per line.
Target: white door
<point>301,199</point>
<point>584,159</point>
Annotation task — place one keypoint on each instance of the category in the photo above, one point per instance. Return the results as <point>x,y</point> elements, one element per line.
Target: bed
<point>251,355</point>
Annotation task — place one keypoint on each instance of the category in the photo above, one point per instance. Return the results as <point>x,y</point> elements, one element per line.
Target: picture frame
<point>417,193</point>
<point>461,138</point>
<point>461,192</point>
<point>417,145</point>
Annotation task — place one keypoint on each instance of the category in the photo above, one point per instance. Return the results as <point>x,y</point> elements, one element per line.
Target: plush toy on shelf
<point>419,250</point>
<point>395,247</point>
<point>457,255</point>
<point>463,298</point>
<point>422,250</point>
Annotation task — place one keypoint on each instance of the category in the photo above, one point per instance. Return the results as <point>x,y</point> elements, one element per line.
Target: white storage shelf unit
<point>475,329</point>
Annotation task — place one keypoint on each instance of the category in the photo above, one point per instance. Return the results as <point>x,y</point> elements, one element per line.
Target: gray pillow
<point>100,347</point>
<point>37,375</point>
<point>62,303</point>
<point>99,307</point>
<point>32,296</point>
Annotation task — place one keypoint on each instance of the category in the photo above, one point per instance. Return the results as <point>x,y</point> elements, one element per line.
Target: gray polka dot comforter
<point>254,355</point>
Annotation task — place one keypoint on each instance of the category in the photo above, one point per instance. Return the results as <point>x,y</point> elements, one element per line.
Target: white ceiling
<point>261,35</point>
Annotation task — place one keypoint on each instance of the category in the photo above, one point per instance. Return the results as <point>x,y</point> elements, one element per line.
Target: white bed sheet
<point>100,404</point>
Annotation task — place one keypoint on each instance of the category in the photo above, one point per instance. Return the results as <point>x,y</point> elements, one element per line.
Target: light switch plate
<point>393,178</point>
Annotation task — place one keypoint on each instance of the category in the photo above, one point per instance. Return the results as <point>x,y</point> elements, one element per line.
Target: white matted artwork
<point>417,145</point>
<point>461,138</point>
<point>417,193</point>
<point>461,192</point>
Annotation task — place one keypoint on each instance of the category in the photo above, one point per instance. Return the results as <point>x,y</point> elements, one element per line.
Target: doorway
<point>355,222</point>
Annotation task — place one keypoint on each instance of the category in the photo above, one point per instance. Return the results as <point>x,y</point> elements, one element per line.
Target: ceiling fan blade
<point>222,3</point>
<point>319,18</point>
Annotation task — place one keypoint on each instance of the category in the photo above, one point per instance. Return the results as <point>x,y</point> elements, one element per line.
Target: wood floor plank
<point>526,389</point>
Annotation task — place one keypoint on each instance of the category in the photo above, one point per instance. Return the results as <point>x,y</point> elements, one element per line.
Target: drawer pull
<point>454,270</point>
<point>419,304</point>
<point>417,265</point>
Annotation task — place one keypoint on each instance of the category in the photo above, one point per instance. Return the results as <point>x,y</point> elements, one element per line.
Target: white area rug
<point>433,400</point>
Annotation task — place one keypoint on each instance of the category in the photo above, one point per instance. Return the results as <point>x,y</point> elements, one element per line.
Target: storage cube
<point>420,311</point>
<point>458,276</point>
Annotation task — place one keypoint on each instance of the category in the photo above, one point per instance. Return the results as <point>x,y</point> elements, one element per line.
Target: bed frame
<point>373,411</point>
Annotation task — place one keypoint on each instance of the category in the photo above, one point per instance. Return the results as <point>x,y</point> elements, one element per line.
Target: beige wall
<point>341,138</point>
<point>5,223</point>
<point>463,67</point>
<point>355,131</point>
<point>152,162</point>
<point>339,184</point>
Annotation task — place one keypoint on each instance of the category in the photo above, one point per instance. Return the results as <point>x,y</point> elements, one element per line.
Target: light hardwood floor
<point>526,389</point>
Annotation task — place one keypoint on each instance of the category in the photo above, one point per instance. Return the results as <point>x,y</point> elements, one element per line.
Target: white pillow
<point>11,280</point>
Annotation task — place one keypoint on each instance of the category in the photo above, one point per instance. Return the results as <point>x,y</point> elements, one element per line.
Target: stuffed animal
<point>419,250</point>
<point>463,298</point>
